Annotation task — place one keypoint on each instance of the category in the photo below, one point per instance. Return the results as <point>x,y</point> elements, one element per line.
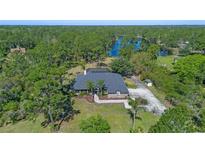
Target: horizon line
<point>102,22</point>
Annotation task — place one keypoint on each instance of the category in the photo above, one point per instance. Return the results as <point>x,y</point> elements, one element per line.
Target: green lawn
<point>116,115</point>
<point>166,61</point>
<point>147,120</point>
<point>25,126</point>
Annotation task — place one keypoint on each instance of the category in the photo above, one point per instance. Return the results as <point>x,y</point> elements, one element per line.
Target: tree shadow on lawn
<point>59,122</point>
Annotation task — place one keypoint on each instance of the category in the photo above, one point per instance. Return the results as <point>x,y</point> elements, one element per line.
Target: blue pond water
<point>162,53</point>
<point>115,51</point>
<point>137,44</point>
<point>116,48</point>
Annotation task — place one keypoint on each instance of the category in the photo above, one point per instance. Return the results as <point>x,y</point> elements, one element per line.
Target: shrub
<point>95,124</point>
<point>137,130</point>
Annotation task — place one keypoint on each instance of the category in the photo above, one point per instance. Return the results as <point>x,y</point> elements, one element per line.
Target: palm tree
<point>133,110</point>
<point>101,84</point>
<point>136,105</point>
<point>90,86</point>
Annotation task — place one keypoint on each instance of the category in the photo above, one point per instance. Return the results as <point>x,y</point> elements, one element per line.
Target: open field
<point>116,115</point>
<point>166,61</point>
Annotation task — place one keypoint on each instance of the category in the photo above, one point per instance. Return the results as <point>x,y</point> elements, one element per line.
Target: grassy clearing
<point>116,115</point>
<point>147,120</point>
<point>129,83</point>
<point>166,61</point>
<point>25,126</point>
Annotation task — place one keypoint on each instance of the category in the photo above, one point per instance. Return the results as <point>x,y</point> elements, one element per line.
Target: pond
<point>115,51</point>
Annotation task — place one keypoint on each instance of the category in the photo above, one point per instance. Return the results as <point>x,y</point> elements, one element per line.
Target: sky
<point>102,22</point>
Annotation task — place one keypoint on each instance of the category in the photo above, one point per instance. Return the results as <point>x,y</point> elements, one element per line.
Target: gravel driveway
<point>154,105</point>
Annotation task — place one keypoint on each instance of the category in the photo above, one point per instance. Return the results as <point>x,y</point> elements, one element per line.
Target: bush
<point>137,130</point>
<point>95,124</point>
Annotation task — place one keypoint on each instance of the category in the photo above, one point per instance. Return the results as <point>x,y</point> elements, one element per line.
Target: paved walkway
<point>154,105</point>
<point>112,101</point>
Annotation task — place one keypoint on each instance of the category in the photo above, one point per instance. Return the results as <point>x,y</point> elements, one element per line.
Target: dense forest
<point>33,82</point>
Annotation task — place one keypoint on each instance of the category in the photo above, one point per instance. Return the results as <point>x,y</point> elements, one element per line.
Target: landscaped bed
<point>105,97</point>
<point>88,98</point>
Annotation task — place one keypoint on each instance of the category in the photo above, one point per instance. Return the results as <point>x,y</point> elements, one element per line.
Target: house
<point>198,52</point>
<point>18,50</point>
<point>148,82</point>
<point>113,83</point>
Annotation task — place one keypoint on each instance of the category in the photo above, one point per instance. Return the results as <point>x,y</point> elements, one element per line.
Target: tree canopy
<point>122,66</point>
<point>95,124</point>
<point>175,120</point>
<point>189,68</point>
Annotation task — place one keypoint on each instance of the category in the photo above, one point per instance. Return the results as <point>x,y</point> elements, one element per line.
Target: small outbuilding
<point>148,82</point>
<point>18,50</point>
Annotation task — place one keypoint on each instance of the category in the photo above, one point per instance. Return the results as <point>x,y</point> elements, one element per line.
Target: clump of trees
<point>122,66</point>
<point>181,119</point>
<point>145,61</point>
<point>127,52</point>
<point>191,69</point>
<point>95,124</point>
<point>32,84</point>
<point>175,120</point>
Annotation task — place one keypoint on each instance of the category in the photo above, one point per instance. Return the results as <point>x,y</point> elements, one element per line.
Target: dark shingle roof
<point>97,70</point>
<point>113,82</point>
<point>147,81</point>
